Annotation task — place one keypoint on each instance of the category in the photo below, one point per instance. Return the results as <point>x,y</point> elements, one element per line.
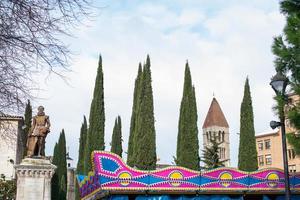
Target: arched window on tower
<point>223,136</point>
<point>219,136</point>
<point>207,138</point>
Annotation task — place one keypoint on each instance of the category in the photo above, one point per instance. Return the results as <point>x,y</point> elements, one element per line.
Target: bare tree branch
<point>30,32</point>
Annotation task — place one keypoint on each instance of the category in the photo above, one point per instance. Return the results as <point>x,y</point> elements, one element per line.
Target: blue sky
<point>224,42</point>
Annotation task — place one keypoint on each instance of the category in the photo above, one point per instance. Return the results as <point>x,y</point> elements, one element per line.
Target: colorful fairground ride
<point>111,178</point>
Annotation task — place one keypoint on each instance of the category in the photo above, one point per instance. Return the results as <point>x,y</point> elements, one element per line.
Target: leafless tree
<point>30,42</point>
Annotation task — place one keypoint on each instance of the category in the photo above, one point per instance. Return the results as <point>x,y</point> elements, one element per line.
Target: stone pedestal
<point>71,183</point>
<point>34,179</point>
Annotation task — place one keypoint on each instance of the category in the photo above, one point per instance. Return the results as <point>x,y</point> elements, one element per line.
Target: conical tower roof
<point>215,116</point>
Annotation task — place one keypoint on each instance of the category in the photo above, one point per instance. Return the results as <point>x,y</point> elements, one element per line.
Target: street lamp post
<point>279,83</point>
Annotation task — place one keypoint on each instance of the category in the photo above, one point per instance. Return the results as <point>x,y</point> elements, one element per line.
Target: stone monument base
<point>34,179</point>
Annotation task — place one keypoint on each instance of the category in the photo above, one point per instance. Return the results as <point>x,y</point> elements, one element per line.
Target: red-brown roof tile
<point>215,116</point>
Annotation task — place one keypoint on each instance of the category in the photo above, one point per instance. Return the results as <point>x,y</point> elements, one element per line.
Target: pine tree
<point>145,144</point>
<point>116,142</point>
<point>187,153</point>
<point>59,183</point>
<point>80,163</point>
<point>211,156</point>
<point>95,137</point>
<point>133,121</point>
<point>286,49</point>
<point>27,123</point>
<point>247,148</point>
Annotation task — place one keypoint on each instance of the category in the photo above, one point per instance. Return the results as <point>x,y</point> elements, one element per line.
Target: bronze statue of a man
<point>37,134</point>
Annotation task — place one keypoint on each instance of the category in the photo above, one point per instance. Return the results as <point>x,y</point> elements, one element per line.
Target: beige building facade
<point>11,144</point>
<point>269,152</point>
<point>269,147</point>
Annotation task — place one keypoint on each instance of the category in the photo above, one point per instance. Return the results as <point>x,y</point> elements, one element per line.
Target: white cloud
<point>222,49</point>
<point>190,17</point>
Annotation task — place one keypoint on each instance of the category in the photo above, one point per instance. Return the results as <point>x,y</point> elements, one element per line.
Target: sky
<point>223,41</point>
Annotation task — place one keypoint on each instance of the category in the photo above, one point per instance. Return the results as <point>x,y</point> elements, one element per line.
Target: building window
<point>292,168</point>
<point>222,153</point>
<point>291,154</point>
<point>260,145</point>
<point>261,160</point>
<point>267,144</point>
<point>268,159</point>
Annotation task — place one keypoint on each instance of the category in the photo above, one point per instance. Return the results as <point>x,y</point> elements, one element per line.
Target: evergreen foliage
<point>116,142</point>
<point>247,147</point>
<point>286,49</point>
<point>80,163</point>
<point>133,121</point>
<point>144,136</point>
<point>211,156</point>
<point>95,136</point>
<point>59,182</point>
<point>63,188</point>
<point>82,142</point>
<point>294,141</point>
<point>8,189</point>
<point>187,153</point>
<point>55,179</point>
<point>62,166</point>
<point>27,123</point>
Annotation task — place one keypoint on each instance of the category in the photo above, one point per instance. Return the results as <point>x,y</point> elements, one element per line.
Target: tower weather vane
<point>38,133</point>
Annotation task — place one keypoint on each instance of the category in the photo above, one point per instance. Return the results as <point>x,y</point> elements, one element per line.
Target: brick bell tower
<point>216,126</point>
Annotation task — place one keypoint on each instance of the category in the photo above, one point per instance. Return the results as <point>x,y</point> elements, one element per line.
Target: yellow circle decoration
<point>272,179</point>
<point>124,178</point>
<point>225,179</point>
<point>175,178</point>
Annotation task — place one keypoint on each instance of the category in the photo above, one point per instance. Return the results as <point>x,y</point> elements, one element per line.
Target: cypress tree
<point>80,163</point>
<point>116,142</point>
<point>82,142</point>
<point>63,159</point>
<point>145,144</point>
<point>27,123</point>
<point>59,181</point>
<point>55,179</point>
<point>286,49</point>
<point>87,154</point>
<point>133,121</point>
<point>63,188</point>
<point>95,137</point>
<point>247,148</point>
<point>62,166</point>
<point>187,153</point>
